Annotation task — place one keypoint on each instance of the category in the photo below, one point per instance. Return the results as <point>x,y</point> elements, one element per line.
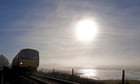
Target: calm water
<point>108,74</point>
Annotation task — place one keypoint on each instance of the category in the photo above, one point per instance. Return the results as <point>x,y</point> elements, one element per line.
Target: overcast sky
<point>48,26</point>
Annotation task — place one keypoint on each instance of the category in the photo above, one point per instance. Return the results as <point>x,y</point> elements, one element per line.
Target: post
<point>53,70</point>
<point>72,72</point>
<point>123,77</point>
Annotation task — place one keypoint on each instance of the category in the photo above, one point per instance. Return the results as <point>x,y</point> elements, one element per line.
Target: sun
<point>86,30</point>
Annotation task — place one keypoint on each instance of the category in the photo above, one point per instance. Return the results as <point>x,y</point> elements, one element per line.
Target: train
<point>26,59</point>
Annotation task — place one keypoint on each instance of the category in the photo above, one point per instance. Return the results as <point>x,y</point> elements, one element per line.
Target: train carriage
<point>26,59</point>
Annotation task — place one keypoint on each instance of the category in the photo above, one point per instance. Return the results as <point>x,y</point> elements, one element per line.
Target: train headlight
<point>21,62</point>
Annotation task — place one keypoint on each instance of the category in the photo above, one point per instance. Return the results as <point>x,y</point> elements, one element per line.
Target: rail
<point>36,79</point>
<point>43,79</point>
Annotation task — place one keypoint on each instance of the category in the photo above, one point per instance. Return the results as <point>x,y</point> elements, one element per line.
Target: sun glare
<point>86,30</point>
<point>88,73</point>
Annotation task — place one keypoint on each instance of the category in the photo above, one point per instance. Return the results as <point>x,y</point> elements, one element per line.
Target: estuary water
<point>101,74</point>
<point>108,74</point>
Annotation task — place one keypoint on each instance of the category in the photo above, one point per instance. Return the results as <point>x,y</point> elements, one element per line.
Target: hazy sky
<point>49,26</point>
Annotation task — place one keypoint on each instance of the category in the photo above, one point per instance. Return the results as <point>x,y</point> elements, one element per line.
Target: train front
<point>29,59</point>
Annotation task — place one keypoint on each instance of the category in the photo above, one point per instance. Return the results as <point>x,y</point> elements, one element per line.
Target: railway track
<point>43,79</point>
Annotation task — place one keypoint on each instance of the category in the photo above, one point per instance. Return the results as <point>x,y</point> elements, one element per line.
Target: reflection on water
<point>88,73</point>
<point>102,74</point>
<point>109,74</point>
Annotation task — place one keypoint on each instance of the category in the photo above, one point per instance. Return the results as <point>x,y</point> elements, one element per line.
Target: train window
<point>29,55</point>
